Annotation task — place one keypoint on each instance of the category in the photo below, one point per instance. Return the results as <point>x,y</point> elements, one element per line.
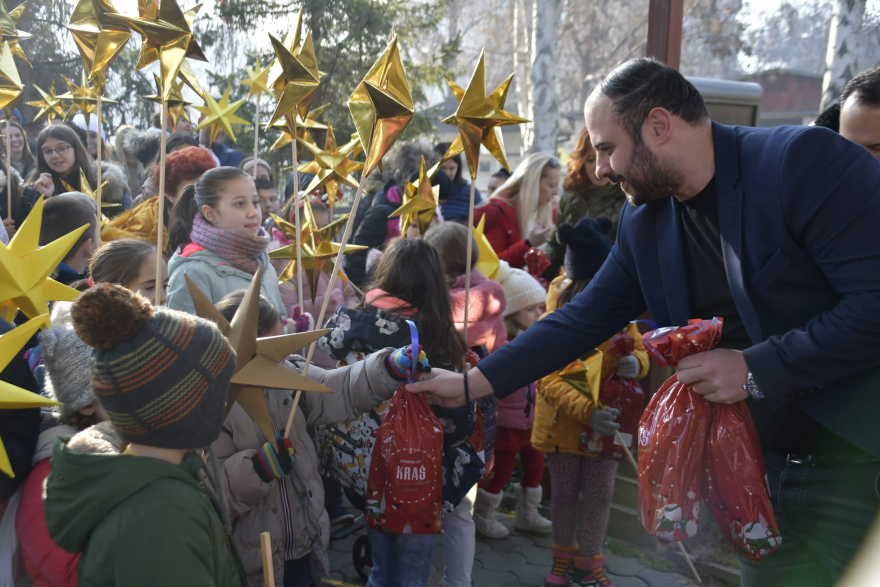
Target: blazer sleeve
<point>831,202</point>
<point>605,307</point>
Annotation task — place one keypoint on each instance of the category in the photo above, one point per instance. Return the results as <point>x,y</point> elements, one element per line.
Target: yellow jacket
<point>138,223</point>
<point>561,412</point>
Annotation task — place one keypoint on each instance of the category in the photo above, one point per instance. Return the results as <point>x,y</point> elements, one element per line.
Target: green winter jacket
<point>137,521</point>
<point>215,277</point>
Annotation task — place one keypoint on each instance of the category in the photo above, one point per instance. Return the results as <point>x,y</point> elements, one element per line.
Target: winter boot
<point>563,561</point>
<point>527,517</point>
<point>484,515</point>
<point>589,571</point>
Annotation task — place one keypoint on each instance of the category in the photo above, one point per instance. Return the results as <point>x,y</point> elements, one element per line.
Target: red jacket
<point>502,231</point>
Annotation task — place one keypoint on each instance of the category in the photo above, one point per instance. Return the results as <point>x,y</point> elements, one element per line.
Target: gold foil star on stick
<point>50,106</point>
<point>84,98</point>
<point>168,38</point>
<point>257,360</point>
<point>257,80</point>
<point>10,83</point>
<point>420,202</point>
<point>25,267</point>
<point>220,115</point>
<point>585,376</point>
<point>11,396</point>
<point>303,128</point>
<point>478,117</point>
<point>86,189</point>
<point>176,102</point>
<point>381,105</point>
<point>9,32</point>
<point>98,37</point>
<point>332,165</point>
<point>488,263</point>
<point>299,79</point>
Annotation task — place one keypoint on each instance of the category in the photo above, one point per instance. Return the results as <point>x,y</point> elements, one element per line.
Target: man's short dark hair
<point>866,87</point>
<point>65,213</point>
<point>829,118</point>
<point>639,85</point>
<point>264,184</point>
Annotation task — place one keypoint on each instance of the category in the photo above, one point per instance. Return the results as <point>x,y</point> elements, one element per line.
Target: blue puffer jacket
<point>456,207</point>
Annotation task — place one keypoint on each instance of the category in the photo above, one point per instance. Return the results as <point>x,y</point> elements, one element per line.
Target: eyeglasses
<point>60,149</point>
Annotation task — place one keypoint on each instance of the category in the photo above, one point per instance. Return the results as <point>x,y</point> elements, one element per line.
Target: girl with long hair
<point>23,161</point>
<point>60,156</point>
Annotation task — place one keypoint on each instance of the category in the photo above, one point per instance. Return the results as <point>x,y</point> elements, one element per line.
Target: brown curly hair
<point>578,178</point>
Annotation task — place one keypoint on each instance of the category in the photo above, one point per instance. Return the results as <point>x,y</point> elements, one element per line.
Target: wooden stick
<point>268,568</point>
<point>298,245</point>
<point>9,171</point>
<point>470,249</point>
<point>98,193</point>
<point>257,133</point>
<point>163,141</point>
<point>320,320</point>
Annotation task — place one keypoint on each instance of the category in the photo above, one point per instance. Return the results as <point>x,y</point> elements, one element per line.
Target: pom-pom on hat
<point>521,289</point>
<point>586,246</point>
<point>161,376</point>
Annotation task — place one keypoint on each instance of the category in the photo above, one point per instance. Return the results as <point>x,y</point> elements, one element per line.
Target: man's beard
<point>647,179</point>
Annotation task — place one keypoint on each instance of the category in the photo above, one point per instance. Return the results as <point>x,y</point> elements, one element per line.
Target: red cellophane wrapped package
<point>622,394</point>
<point>672,436</point>
<point>404,489</point>
<point>734,482</point>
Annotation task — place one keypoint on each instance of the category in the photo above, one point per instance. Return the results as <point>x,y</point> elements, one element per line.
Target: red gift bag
<point>734,482</point>
<point>622,394</point>
<point>404,489</point>
<point>672,436</point>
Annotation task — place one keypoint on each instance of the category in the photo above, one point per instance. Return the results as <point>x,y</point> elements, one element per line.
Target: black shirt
<point>789,429</point>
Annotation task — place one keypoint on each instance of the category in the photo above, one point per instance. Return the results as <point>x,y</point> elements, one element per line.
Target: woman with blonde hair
<point>519,215</point>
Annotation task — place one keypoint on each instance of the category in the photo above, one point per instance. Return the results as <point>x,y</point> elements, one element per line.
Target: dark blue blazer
<point>799,215</point>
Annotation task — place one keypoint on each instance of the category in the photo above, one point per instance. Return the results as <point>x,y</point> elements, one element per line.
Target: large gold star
<point>585,376</point>
<point>381,105</point>
<point>420,202</point>
<point>332,165</point>
<point>257,80</point>
<point>303,128</point>
<point>168,38</point>
<point>25,267</point>
<point>318,248</point>
<point>9,30</point>
<point>86,189</point>
<point>220,115</point>
<point>478,117</point>
<point>84,98</point>
<point>488,263</point>
<point>98,38</point>
<point>299,80</point>
<point>11,396</point>
<point>10,83</point>
<point>257,360</point>
<point>176,102</point>
<point>50,106</point>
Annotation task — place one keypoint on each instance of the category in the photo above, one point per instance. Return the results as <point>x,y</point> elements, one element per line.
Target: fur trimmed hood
<point>118,185</point>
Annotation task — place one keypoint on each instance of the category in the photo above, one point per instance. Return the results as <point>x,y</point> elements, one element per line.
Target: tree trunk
<point>841,59</point>
<point>545,111</point>
<point>521,65</point>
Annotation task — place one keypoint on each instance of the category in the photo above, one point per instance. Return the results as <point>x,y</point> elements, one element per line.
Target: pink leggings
<point>569,476</point>
<point>508,443</point>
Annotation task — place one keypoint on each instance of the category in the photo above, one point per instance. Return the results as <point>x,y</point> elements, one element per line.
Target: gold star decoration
<point>50,106</point>
<point>13,397</point>
<point>585,376</point>
<point>168,38</point>
<point>176,102</point>
<point>257,360</point>
<point>220,115</point>
<point>318,248</point>
<point>299,80</point>
<point>381,105</point>
<point>454,149</point>
<point>86,189</point>
<point>84,98</point>
<point>303,126</point>
<point>9,30</point>
<point>478,117</point>
<point>488,263</point>
<point>99,38</point>
<point>332,165</point>
<point>257,79</point>
<point>25,267</point>
<point>10,84</point>
<point>420,202</point>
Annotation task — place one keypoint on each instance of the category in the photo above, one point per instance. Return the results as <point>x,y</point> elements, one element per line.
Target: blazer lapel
<point>670,249</point>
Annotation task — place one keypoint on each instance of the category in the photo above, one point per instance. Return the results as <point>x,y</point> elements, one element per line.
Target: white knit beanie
<point>521,289</point>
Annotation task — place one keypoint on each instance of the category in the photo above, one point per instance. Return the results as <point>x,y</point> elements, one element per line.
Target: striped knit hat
<point>161,376</point>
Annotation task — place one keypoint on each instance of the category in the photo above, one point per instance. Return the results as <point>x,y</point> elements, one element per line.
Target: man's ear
<point>658,126</point>
<point>86,249</point>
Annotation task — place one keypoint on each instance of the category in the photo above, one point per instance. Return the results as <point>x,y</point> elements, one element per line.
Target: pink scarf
<point>241,248</point>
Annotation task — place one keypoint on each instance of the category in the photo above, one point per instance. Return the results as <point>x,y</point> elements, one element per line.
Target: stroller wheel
<point>362,555</point>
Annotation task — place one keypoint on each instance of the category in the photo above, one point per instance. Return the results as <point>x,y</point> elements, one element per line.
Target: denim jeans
<point>824,513</point>
<point>400,560</point>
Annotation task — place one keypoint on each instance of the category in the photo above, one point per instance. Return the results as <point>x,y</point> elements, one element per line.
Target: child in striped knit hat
<point>128,494</point>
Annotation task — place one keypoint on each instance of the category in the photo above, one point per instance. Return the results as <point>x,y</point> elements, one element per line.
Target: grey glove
<point>603,421</point>
<point>628,367</point>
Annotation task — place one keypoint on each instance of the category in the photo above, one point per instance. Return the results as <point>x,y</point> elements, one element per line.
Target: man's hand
<point>718,375</point>
<point>446,388</point>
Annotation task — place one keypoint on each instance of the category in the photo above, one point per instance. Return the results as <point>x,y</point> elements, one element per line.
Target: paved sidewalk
<point>519,559</point>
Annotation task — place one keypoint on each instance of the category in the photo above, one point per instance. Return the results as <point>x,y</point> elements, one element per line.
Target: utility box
<point>731,102</point>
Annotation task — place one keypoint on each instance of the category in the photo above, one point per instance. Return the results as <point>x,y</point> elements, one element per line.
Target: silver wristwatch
<point>752,387</point>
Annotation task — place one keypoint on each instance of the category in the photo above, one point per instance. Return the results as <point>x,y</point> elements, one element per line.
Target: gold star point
<point>303,127</point>
<point>9,31</point>
<point>86,189</point>
<point>83,97</point>
<point>220,115</point>
<point>50,106</point>
<point>98,37</point>
<point>420,201</point>
<point>257,80</point>
<point>176,102</point>
<point>584,375</point>
<point>10,83</point>
<point>298,83</point>
<point>488,263</point>
<point>332,165</point>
